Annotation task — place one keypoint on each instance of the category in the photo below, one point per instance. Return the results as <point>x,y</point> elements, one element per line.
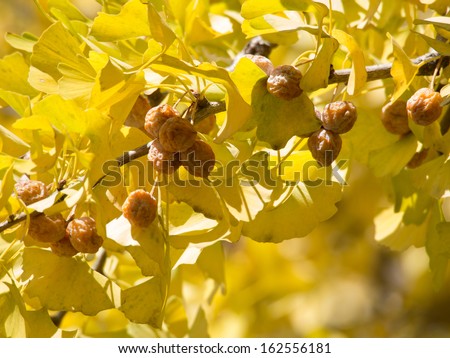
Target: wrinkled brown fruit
<point>284,82</point>
<point>83,235</point>
<point>339,116</point>
<point>48,229</point>
<point>424,106</point>
<point>324,146</point>
<point>140,208</point>
<point>164,162</point>
<point>394,117</point>
<point>157,116</point>
<point>177,135</point>
<point>199,159</point>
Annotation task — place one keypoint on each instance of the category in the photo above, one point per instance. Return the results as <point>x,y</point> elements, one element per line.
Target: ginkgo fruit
<point>157,116</point>
<point>339,116</point>
<point>164,162</point>
<point>140,208</point>
<point>48,229</point>
<point>63,247</point>
<point>394,117</point>
<point>199,159</point>
<point>31,191</point>
<point>83,235</point>
<point>262,62</point>
<point>284,82</point>
<point>324,146</point>
<point>424,106</point>
<point>177,134</point>
<point>206,125</point>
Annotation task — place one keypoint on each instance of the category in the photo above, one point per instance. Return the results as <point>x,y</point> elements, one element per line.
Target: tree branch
<point>378,72</point>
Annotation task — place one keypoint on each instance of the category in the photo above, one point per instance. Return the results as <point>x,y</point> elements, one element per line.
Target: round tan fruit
<point>394,117</point>
<point>177,135</point>
<point>83,235</point>
<point>339,116</point>
<point>325,146</point>
<point>284,82</point>
<point>206,125</point>
<point>140,208</point>
<point>424,106</point>
<point>48,229</point>
<point>262,62</point>
<point>157,116</point>
<point>199,159</point>
<point>63,247</point>
<point>164,162</point>
<point>31,191</point>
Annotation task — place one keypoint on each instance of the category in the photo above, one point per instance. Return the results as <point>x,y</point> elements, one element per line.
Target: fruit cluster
<point>423,108</point>
<point>337,117</point>
<point>176,143</point>
<point>65,239</point>
<point>326,143</point>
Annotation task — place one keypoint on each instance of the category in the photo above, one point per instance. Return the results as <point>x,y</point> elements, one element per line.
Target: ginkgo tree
<point>263,87</point>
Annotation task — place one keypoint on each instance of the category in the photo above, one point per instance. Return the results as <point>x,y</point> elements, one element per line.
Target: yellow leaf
<point>358,75</point>
<point>403,70</point>
<point>317,74</point>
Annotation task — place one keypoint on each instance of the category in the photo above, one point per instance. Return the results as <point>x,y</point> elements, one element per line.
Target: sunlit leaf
<point>57,46</point>
<point>317,74</point>
<point>13,75</point>
<point>143,303</point>
<point>130,22</point>
<point>403,70</point>
<point>358,75</point>
<point>66,284</point>
<point>438,21</point>
<point>308,205</point>
<point>24,42</point>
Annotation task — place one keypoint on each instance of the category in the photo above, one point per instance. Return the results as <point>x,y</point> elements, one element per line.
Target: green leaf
<point>309,204</point>
<point>14,75</point>
<point>131,22</point>
<point>58,46</point>
<point>317,74</point>
<point>358,75</point>
<point>143,303</point>
<point>65,284</point>
<point>403,71</point>
<point>279,120</point>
